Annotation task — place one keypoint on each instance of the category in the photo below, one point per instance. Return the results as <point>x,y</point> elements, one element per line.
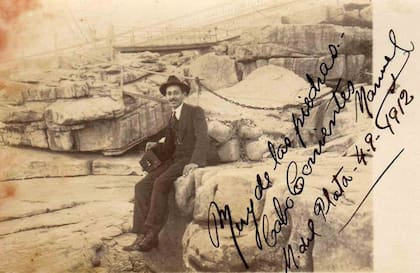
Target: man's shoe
<point>150,241</point>
<point>134,246</point>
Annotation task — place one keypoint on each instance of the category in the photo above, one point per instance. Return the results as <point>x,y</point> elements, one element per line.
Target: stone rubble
<point>27,163</point>
<point>88,219</point>
<point>219,184</point>
<point>218,71</point>
<point>67,211</point>
<point>60,224</point>
<point>80,103</point>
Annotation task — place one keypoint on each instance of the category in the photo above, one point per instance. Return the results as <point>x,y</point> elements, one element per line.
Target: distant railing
<point>210,25</point>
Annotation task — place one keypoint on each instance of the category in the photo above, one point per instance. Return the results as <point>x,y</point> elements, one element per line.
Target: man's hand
<point>150,145</point>
<point>189,168</point>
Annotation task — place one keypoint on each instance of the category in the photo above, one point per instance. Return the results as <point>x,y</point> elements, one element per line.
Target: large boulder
<point>220,184</point>
<point>29,134</point>
<point>200,255</point>
<point>32,163</point>
<point>171,58</point>
<point>67,112</point>
<point>28,163</point>
<point>366,14</point>
<point>338,71</point>
<point>61,140</point>
<point>220,49</point>
<point>40,92</point>
<point>58,232</point>
<point>269,86</point>
<point>249,131</point>
<point>352,67</point>
<point>227,186</point>
<point>218,71</point>
<point>45,75</point>
<point>261,62</point>
<point>255,149</point>
<point>289,63</point>
<point>55,88</point>
<point>37,137</point>
<point>28,76</point>
<point>103,89</point>
<point>256,51</point>
<point>346,120</point>
<point>117,166</point>
<point>356,67</point>
<point>311,66</point>
<point>12,92</point>
<point>29,112</point>
<point>220,131</point>
<point>245,68</point>
<point>13,134</point>
<point>352,246</point>
<point>241,187</point>
<point>232,185</point>
<point>301,66</point>
<point>117,135</point>
<point>133,73</point>
<point>145,57</point>
<point>72,89</point>
<point>271,259</point>
<point>185,193</point>
<point>230,151</point>
<point>185,188</point>
<point>357,15</point>
<point>300,41</point>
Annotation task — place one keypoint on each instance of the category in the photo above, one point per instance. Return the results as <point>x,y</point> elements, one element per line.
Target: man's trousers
<point>151,196</point>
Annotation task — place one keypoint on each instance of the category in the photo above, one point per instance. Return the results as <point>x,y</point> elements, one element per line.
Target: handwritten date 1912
<point>394,113</point>
<point>404,98</point>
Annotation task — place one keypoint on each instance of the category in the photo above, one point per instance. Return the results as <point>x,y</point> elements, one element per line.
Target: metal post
<point>110,41</point>
<point>117,93</point>
<point>56,50</point>
<point>132,36</point>
<point>95,42</point>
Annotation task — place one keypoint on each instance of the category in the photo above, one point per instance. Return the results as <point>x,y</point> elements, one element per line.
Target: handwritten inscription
<point>390,113</point>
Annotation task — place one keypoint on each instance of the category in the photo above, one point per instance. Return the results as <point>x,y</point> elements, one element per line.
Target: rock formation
<point>79,218</point>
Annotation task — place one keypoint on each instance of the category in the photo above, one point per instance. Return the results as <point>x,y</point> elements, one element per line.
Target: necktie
<point>174,127</point>
<point>173,121</point>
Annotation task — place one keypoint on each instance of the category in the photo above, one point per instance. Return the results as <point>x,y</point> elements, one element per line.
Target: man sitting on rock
<point>185,149</point>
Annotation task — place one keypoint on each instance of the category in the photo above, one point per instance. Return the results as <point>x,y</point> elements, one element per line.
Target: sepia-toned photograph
<point>194,136</point>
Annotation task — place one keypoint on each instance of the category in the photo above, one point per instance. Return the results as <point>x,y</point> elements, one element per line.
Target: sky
<point>42,25</point>
<point>31,27</point>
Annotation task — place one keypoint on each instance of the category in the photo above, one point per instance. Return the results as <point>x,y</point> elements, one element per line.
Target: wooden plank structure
<point>163,48</point>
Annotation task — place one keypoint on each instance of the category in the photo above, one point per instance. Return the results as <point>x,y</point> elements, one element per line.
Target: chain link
<point>201,84</point>
<point>279,108</point>
<point>235,102</point>
<point>263,108</point>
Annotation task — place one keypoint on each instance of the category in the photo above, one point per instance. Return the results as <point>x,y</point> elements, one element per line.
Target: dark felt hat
<point>173,80</point>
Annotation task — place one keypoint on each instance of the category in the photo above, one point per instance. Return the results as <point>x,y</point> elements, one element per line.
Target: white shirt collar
<point>178,111</point>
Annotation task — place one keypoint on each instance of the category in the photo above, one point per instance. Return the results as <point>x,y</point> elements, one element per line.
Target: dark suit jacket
<point>191,141</point>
